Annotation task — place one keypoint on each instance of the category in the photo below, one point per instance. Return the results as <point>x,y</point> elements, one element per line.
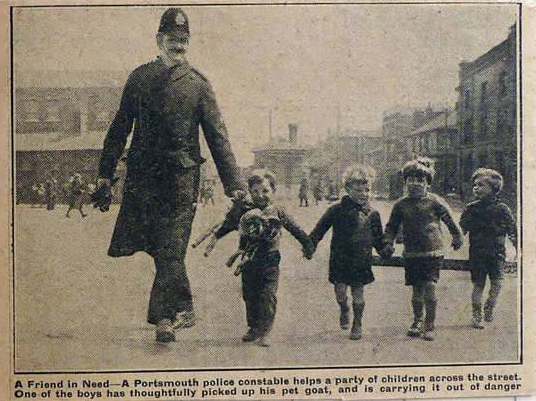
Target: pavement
<point>78,310</point>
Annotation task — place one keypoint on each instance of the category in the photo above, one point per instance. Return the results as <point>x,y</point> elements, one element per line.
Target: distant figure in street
<point>318,192</point>
<point>333,192</point>
<point>76,190</point>
<point>357,228</point>
<point>421,213</point>
<point>304,192</point>
<point>260,224</point>
<point>164,103</point>
<point>207,192</point>
<point>38,193</point>
<point>51,186</point>
<point>488,222</point>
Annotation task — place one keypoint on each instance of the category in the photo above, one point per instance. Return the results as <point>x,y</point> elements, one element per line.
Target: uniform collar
<point>177,71</point>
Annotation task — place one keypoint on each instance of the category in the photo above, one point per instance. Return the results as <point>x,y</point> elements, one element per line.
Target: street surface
<point>79,310</point>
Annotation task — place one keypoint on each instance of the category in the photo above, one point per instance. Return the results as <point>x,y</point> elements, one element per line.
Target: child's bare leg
<point>430,304</point>
<point>494,291</point>
<point>358,304</point>
<point>342,300</point>
<point>476,298</point>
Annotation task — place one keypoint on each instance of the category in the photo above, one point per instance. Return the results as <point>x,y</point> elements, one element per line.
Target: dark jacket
<point>356,230</point>
<point>488,222</point>
<point>421,225</point>
<point>165,106</point>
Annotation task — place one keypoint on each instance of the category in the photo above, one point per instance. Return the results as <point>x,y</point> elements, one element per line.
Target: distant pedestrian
<point>488,221</point>
<point>318,192</point>
<point>260,223</point>
<point>76,190</point>
<point>51,186</point>
<point>333,191</point>
<point>357,228</point>
<point>304,192</point>
<point>421,213</point>
<point>207,192</point>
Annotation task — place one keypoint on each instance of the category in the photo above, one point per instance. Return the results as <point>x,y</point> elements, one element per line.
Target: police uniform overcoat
<point>165,106</point>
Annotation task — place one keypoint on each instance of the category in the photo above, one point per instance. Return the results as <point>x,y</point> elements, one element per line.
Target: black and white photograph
<point>266,186</point>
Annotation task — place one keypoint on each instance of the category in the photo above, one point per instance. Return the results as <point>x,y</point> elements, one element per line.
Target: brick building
<point>288,159</point>
<point>487,100</point>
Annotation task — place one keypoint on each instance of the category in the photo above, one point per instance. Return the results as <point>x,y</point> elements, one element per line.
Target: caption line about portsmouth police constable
<point>282,387</point>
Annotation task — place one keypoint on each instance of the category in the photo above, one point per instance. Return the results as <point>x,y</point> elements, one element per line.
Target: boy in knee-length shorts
<point>488,222</point>
<point>421,214</point>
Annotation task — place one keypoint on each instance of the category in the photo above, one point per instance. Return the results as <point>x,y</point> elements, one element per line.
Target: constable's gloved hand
<point>387,251</point>
<point>102,197</point>
<point>457,243</point>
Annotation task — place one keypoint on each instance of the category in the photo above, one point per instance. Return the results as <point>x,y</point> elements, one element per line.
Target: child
<point>260,273</point>
<point>356,229</point>
<point>488,222</point>
<point>420,214</point>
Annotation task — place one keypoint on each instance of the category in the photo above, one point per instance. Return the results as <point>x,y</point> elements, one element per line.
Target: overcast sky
<point>301,61</point>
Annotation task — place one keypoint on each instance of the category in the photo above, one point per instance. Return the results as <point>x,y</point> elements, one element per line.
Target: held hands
<point>387,251</point>
<point>308,252</point>
<point>457,243</point>
<point>211,245</point>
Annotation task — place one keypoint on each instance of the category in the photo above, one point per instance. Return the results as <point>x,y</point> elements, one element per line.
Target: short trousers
<point>486,266</point>
<point>420,270</point>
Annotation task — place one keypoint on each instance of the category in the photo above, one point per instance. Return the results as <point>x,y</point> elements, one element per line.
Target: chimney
<point>293,133</point>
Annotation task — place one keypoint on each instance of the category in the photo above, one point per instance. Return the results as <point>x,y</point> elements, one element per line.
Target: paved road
<point>77,309</point>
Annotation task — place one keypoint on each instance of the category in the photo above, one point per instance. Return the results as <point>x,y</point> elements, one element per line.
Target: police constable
<point>166,100</point>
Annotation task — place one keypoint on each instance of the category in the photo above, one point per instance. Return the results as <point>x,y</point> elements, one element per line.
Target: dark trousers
<point>259,288</point>
<point>171,292</point>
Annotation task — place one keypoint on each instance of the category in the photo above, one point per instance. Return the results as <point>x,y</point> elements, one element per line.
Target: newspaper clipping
<point>266,200</point>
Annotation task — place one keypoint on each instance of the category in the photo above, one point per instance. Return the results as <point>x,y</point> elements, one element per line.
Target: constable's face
<point>481,188</point>
<point>174,46</point>
<point>417,186</point>
<point>359,192</point>
<point>261,193</point>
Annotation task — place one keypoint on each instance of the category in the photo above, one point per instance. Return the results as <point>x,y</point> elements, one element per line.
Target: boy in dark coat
<point>421,214</point>
<point>488,222</point>
<point>260,273</point>
<point>356,229</point>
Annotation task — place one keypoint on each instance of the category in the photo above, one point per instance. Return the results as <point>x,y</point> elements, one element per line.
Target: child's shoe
<point>416,329</point>
<point>344,318</point>
<point>250,336</point>
<point>477,317</point>
<point>164,331</point>
<point>263,340</point>
<point>184,320</point>
<point>428,335</point>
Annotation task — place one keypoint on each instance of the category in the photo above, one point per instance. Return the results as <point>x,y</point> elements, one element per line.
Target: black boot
<point>344,318</point>
<point>429,320</point>
<point>416,327</point>
<point>477,316</point>
<point>356,332</point>
<point>488,311</point>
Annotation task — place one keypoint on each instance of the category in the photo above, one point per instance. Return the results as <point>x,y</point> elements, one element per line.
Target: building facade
<point>487,110</point>
<point>287,159</point>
